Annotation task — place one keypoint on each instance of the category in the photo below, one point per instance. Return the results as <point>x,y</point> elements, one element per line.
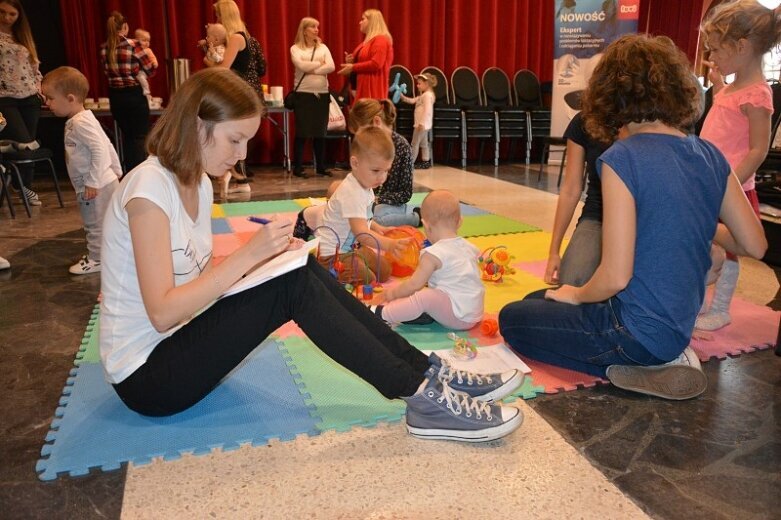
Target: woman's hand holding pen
<point>274,236</point>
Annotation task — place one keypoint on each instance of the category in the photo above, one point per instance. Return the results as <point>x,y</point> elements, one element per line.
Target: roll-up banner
<point>581,31</point>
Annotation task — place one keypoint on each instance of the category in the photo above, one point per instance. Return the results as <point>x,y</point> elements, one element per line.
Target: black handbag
<point>290,97</point>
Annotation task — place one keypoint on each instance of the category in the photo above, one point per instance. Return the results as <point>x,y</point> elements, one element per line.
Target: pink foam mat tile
<point>223,245</point>
<point>556,379</point>
<point>754,327</point>
<point>536,268</point>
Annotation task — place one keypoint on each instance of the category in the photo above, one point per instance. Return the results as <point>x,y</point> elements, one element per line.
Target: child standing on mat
<point>166,340</point>
<point>424,118</point>
<point>455,295</point>
<point>347,217</point>
<point>93,165</point>
<point>737,36</point>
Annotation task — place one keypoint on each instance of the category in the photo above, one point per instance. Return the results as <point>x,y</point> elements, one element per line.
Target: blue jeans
<point>391,215</point>
<point>587,338</point>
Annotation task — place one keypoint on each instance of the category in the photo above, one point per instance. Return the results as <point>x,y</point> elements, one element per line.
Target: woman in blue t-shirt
<point>662,194</point>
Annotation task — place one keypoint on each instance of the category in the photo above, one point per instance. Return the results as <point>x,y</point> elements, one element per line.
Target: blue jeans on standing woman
<point>586,338</point>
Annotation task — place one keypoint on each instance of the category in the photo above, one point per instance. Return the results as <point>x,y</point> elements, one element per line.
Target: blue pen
<point>258,220</point>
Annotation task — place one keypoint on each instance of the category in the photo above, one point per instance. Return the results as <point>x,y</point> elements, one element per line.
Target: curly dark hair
<point>640,78</point>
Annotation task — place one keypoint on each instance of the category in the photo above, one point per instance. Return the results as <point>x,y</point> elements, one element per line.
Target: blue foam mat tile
<point>468,210</point>
<point>220,226</point>
<point>259,401</point>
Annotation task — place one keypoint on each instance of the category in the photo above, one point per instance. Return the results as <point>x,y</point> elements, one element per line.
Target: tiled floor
<point>593,453</point>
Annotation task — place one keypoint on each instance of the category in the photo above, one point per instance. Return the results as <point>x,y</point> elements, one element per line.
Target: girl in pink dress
<point>737,35</point>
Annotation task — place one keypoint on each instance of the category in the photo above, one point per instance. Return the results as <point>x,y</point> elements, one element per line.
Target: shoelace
<point>457,402</point>
<point>448,374</point>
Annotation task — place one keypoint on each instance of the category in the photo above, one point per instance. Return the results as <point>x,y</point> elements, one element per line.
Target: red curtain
<point>510,34</point>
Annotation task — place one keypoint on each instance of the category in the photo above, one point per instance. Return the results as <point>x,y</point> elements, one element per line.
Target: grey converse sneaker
<point>85,266</point>
<point>483,387</point>
<point>439,412</point>
<point>681,378</point>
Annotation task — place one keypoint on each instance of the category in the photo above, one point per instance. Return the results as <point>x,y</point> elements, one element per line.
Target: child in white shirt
<point>93,165</point>
<point>424,118</point>
<point>144,38</point>
<point>215,42</point>
<point>347,216</point>
<point>455,295</point>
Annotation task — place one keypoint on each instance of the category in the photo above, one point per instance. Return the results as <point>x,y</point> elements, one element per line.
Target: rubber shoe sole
<point>676,382</point>
<point>484,435</point>
<point>503,391</point>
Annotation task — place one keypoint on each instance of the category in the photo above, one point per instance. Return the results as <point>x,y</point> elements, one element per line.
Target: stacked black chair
<point>405,113</point>
<point>12,160</point>
<point>342,98</point>
<point>477,120</point>
<point>447,116</point>
<point>528,95</point>
<point>512,122</point>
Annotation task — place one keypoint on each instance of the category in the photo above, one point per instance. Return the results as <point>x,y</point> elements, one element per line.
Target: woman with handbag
<point>310,98</point>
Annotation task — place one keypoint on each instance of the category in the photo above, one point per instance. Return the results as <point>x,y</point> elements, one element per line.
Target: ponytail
<point>365,110</point>
<point>113,26</point>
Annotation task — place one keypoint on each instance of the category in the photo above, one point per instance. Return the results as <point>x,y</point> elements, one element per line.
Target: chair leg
<point>56,184</point>
<point>6,193</point>
<point>543,159</point>
<point>561,167</point>
<point>21,189</point>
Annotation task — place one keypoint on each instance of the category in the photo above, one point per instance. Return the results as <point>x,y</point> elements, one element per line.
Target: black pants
<point>186,366</point>
<point>22,117</point>
<point>318,147</point>
<point>130,109</point>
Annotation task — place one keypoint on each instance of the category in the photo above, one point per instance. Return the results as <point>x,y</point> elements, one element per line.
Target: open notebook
<point>277,266</point>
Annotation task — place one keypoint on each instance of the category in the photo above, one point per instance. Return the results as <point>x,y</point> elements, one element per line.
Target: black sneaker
<point>423,165</point>
<point>325,173</point>
<point>300,173</point>
<point>416,211</point>
<point>423,319</point>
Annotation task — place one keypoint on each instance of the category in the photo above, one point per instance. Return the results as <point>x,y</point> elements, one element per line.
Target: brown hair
<point>365,110</point>
<point>21,30</point>
<point>67,80</point>
<point>213,95</point>
<point>733,21</point>
<point>640,78</point>
<point>373,140</point>
<point>113,26</point>
<point>441,206</point>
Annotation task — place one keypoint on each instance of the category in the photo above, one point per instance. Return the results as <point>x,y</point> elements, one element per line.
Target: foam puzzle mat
<point>287,387</point>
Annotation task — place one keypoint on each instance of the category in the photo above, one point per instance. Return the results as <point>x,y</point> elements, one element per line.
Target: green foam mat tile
<point>481,225</point>
<point>341,399</point>
<point>238,209</point>
<point>89,350</point>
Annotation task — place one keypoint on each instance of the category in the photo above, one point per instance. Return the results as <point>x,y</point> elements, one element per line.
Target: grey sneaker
<point>681,378</point>
<point>483,387</point>
<point>439,412</point>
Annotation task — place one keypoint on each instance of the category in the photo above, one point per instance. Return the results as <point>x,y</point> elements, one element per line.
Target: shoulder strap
<point>302,77</point>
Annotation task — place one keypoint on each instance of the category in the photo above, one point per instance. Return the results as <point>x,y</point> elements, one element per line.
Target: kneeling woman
<point>663,192</point>
<point>166,340</point>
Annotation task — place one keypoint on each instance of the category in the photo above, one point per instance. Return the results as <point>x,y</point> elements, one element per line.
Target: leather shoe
<point>325,173</point>
<point>300,174</point>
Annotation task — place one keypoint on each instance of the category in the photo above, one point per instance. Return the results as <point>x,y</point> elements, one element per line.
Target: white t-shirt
<point>424,108</point>
<point>350,200</point>
<point>459,277</point>
<point>127,336</point>
<point>89,155</point>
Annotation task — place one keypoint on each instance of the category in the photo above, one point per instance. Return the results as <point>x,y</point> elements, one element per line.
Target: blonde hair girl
<point>737,35</point>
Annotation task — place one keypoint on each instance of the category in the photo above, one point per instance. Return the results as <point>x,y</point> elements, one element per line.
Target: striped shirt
<point>131,58</point>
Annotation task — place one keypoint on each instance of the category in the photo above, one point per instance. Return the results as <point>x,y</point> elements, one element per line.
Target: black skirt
<point>311,113</point>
